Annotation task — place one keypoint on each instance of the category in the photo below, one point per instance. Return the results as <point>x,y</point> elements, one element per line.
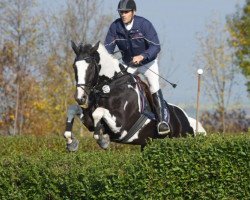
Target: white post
<point>199,71</point>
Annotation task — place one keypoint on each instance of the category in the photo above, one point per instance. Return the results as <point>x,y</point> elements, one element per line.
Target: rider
<point>137,39</point>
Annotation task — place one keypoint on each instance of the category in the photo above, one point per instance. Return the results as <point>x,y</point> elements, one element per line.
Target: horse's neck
<point>109,64</point>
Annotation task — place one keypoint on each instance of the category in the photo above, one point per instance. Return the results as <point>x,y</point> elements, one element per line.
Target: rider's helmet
<point>126,5</point>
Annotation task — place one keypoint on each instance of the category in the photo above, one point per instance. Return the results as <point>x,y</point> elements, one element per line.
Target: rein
<point>96,88</point>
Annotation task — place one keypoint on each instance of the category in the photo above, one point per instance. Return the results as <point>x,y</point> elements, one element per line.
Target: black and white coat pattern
<point>112,98</point>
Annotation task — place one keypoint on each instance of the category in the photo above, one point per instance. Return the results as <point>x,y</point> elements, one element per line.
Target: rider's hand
<point>137,59</point>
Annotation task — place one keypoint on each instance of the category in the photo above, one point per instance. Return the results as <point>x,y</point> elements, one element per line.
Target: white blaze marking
<point>81,67</point>
<point>80,92</point>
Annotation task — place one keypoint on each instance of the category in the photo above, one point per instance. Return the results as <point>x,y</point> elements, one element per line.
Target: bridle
<point>95,88</point>
<point>89,87</point>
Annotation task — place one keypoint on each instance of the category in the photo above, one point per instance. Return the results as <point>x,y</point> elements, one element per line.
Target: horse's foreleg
<point>99,130</point>
<point>99,133</point>
<point>72,142</point>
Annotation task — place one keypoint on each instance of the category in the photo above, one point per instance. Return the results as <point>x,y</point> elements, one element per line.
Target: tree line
<point>36,76</point>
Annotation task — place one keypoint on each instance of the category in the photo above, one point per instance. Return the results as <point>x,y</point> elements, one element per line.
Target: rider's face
<point>127,16</point>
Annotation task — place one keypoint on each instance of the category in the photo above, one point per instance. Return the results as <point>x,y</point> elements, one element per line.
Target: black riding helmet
<point>126,5</point>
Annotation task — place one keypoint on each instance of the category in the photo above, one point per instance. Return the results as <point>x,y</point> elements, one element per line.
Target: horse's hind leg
<point>72,142</point>
<point>142,147</point>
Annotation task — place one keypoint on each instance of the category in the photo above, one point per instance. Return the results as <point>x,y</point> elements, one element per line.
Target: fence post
<point>199,72</point>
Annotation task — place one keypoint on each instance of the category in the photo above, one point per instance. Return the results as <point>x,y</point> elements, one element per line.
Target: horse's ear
<point>94,48</point>
<point>74,47</point>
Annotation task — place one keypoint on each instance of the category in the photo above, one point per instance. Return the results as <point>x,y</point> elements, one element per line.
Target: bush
<point>201,168</point>
<point>211,167</point>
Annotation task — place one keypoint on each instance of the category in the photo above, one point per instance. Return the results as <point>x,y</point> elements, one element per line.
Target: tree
<point>6,88</point>
<point>81,21</point>
<point>36,77</point>
<point>239,24</point>
<point>216,58</point>
<point>20,36</point>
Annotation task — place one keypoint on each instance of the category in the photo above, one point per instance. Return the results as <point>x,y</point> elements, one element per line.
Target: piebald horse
<point>114,104</point>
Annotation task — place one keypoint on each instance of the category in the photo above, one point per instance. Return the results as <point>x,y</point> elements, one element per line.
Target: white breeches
<point>150,71</point>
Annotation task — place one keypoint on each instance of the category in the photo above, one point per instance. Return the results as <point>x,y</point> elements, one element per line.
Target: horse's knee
<point>72,111</point>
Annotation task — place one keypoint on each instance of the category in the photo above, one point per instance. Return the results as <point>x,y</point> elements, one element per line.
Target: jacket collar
<point>136,25</point>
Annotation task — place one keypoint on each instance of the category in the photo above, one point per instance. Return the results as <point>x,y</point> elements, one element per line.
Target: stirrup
<point>166,127</point>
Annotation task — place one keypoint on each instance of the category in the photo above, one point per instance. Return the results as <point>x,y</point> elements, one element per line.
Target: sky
<point>177,23</point>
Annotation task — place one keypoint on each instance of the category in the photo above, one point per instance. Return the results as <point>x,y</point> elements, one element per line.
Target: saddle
<point>146,108</point>
<point>146,98</point>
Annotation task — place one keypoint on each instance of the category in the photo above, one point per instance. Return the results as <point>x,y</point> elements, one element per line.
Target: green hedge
<point>213,167</point>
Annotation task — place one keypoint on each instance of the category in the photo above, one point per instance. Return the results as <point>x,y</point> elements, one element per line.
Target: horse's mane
<point>107,61</point>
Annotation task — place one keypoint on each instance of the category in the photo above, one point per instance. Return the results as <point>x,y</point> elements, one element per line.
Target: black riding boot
<point>161,111</point>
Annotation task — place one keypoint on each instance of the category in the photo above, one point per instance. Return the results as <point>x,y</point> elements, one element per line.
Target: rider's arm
<point>110,41</point>
<point>151,37</point>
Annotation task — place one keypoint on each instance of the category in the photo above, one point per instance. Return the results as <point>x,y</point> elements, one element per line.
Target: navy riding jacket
<point>141,39</point>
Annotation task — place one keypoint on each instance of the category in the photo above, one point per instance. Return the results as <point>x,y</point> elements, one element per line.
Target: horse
<point>114,104</point>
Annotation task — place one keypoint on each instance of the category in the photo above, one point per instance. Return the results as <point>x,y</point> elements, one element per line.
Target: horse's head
<point>86,71</point>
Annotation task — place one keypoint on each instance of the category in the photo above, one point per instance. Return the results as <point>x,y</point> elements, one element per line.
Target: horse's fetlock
<point>67,134</point>
<point>104,141</point>
<point>99,129</point>
<point>73,146</point>
<point>96,136</point>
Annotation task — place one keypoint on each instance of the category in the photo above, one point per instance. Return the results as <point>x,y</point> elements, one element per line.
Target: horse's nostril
<point>84,97</point>
<point>80,101</point>
<point>80,96</point>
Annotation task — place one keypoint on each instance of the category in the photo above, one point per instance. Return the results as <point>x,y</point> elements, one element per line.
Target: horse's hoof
<point>73,146</point>
<point>104,141</point>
